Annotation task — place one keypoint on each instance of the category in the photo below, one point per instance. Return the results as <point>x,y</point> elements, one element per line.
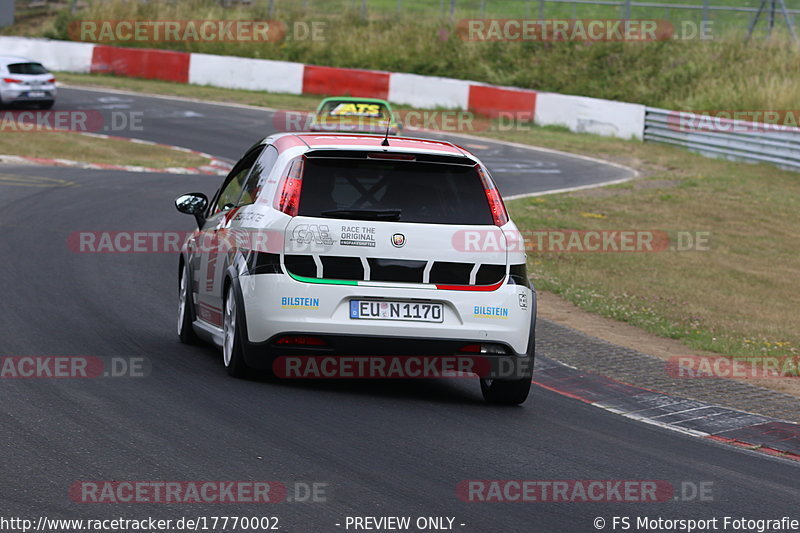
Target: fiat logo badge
<point>398,240</point>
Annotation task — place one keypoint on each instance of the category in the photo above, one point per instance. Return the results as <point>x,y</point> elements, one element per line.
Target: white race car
<point>344,246</point>
<point>26,82</point>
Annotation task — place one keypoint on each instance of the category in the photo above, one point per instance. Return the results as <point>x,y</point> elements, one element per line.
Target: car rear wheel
<point>185,309</point>
<point>232,349</point>
<point>506,391</point>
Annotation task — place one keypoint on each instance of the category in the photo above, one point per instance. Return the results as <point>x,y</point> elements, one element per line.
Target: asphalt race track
<point>227,132</point>
<point>395,448</point>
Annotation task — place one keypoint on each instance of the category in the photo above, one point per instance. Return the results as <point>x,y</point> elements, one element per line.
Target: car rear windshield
<point>26,68</point>
<point>432,193</point>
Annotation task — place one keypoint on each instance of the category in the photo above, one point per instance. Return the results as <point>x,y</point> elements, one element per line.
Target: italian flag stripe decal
<point>323,280</point>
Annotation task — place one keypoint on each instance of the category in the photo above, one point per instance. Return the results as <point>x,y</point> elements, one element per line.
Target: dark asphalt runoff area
<point>377,449</point>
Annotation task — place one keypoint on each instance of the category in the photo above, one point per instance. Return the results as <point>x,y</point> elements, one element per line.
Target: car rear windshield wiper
<point>364,214</point>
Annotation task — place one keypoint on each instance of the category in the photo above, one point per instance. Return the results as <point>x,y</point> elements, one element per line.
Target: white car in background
<point>25,82</point>
<point>352,245</point>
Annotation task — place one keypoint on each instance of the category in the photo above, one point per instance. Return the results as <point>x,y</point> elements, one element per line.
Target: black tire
<point>185,309</point>
<point>513,391</point>
<point>506,391</point>
<point>233,346</point>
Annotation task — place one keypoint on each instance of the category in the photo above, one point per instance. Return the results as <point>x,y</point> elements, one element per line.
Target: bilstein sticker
<point>299,302</point>
<point>487,311</point>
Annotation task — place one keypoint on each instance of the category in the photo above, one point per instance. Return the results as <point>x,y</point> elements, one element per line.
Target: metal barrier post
<point>6,14</point>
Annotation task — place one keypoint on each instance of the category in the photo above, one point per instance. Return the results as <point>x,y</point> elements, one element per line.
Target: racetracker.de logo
<point>157,242</point>
<point>735,121</point>
<point>636,30</point>
<point>199,31</point>
<point>76,121</point>
<point>577,241</point>
<point>381,367</point>
<point>72,367</point>
<point>177,492</point>
<point>410,120</point>
<point>565,491</point>
<point>749,367</point>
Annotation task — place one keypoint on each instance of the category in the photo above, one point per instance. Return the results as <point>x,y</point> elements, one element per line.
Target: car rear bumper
<point>504,317</point>
<point>357,356</point>
<point>10,96</point>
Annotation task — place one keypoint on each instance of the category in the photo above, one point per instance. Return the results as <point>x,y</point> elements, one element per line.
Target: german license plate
<point>388,310</point>
<point>36,94</point>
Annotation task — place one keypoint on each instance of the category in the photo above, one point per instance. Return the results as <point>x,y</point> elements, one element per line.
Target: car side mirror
<point>194,203</point>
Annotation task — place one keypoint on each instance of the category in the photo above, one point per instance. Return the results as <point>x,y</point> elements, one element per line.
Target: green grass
<point>721,20</point>
<point>739,298</point>
<point>725,73</point>
<point>437,9</point>
<point>76,147</point>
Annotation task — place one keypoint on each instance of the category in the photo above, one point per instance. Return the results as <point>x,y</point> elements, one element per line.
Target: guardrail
<point>721,137</point>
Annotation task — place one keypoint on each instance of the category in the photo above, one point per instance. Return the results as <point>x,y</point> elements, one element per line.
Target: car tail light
<point>12,80</point>
<point>498,208</point>
<point>489,348</point>
<point>471,348</point>
<point>288,198</point>
<point>300,340</point>
<point>51,80</point>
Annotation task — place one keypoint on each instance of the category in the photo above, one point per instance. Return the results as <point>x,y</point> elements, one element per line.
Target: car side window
<point>229,195</point>
<point>261,170</point>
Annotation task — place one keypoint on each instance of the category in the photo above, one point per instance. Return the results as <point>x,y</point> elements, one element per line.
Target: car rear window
<point>26,68</point>
<point>433,193</point>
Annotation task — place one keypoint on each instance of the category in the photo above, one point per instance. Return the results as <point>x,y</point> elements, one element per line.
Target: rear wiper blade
<point>364,214</point>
